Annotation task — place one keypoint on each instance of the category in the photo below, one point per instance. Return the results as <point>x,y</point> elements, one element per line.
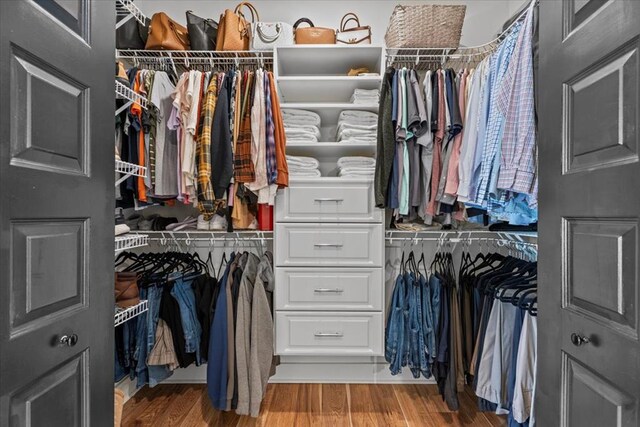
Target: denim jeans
<point>435,287</point>
<point>142,373</point>
<point>418,356</point>
<point>395,327</point>
<point>428,332</point>
<point>183,293</point>
<point>157,373</point>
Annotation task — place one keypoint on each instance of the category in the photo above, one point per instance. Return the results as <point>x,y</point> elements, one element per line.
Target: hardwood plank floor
<point>301,405</point>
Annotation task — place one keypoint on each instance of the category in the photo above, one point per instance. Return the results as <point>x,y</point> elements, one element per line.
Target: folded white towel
<point>358,116</point>
<point>359,140</point>
<point>356,161</point>
<point>356,133</point>
<point>302,162</point>
<point>359,126</point>
<point>312,173</point>
<point>357,169</point>
<point>302,131</point>
<point>365,96</point>
<point>303,117</point>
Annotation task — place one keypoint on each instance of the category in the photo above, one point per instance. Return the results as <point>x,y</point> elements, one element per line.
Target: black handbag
<point>202,32</point>
<point>132,34</point>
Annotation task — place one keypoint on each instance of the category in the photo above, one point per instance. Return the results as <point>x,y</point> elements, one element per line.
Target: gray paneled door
<point>56,212</point>
<point>589,110</point>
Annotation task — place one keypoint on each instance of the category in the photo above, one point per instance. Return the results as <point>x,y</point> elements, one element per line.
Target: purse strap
<point>303,21</point>
<point>254,13</point>
<point>352,17</point>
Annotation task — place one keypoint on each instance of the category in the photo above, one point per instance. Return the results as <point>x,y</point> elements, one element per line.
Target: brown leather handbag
<point>358,34</point>
<point>165,33</point>
<point>234,32</point>
<point>312,34</point>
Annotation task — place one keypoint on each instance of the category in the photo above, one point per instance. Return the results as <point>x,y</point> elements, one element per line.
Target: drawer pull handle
<point>329,199</point>
<point>328,245</point>
<point>328,290</point>
<point>329,334</point>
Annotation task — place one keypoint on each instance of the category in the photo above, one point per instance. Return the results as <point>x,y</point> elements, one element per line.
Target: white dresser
<point>328,237</point>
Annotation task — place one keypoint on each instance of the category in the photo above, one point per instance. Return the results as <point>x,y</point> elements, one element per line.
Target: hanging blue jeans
<point>435,288</point>
<point>157,373</point>
<point>182,291</point>
<point>428,332</point>
<point>395,327</point>
<point>142,373</point>
<point>417,356</point>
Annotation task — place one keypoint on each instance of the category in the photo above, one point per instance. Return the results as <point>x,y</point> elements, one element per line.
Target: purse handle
<point>254,13</point>
<point>303,21</point>
<point>352,17</point>
<point>266,37</point>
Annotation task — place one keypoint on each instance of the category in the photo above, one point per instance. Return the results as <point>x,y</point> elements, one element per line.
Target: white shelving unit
<point>315,78</point>
<point>328,231</point>
<point>123,315</point>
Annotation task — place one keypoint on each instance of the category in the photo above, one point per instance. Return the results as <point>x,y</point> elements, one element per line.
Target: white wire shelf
<point>123,92</point>
<point>181,60</point>
<point>123,315</point>
<point>131,241</point>
<point>125,10</point>
<point>129,169</point>
<point>210,237</point>
<point>455,236</point>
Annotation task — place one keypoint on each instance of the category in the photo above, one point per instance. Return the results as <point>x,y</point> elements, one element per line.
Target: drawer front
<point>328,202</point>
<point>329,334</point>
<point>349,289</point>
<point>309,245</point>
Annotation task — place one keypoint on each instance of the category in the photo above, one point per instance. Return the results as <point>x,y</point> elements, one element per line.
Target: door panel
<point>56,249</point>
<point>599,270</point>
<point>609,405</point>
<point>607,91</point>
<point>589,106</point>
<point>32,405</point>
<point>42,253</point>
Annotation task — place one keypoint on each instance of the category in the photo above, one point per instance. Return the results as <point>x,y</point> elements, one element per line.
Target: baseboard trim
<point>332,373</point>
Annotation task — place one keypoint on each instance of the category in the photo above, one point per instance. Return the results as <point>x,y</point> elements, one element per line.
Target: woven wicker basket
<point>418,26</point>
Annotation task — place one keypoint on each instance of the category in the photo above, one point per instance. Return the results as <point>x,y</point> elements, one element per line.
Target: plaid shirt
<point>243,165</point>
<point>515,99</point>
<point>203,151</point>
<point>272,168</point>
<point>495,123</point>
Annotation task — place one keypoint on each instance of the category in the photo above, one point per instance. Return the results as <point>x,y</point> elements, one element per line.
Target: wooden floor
<point>299,405</point>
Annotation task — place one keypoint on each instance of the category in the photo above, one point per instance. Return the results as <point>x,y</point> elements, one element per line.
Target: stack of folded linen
<point>303,167</point>
<point>357,127</point>
<point>365,96</point>
<point>356,167</point>
<point>301,126</point>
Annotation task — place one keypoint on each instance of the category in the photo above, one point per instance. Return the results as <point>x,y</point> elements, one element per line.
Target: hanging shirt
<point>404,193</point>
<point>515,100</point>
<point>439,128</point>
<point>470,135</point>
<point>258,140</point>
<point>451,187</point>
<point>203,152</point>
<point>165,140</point>
<point>426,153</point>
<point>495,122</point>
